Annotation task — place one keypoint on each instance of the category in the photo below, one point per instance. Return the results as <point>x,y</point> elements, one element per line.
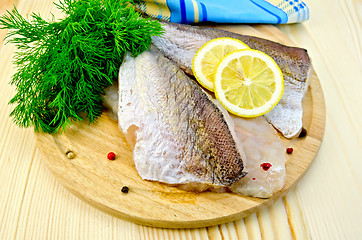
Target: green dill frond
<point>64,66</point>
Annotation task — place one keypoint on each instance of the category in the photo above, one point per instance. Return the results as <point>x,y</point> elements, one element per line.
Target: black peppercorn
<point>125,189</point>
<point>303,133</point>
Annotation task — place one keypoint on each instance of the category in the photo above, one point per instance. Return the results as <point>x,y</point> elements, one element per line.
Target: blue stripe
<point>279,19</point>
<point>183,11</point>
<point>204,13</point>
<point>306,11</point>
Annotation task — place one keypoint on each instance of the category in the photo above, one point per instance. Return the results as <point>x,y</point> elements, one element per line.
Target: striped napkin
<point>229,11</point>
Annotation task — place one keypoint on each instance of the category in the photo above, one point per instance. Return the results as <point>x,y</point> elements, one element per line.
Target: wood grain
<point>98,181</point>
<point>325,204</point>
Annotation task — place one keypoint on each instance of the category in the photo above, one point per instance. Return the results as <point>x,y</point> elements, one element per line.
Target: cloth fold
<point>231,11</point>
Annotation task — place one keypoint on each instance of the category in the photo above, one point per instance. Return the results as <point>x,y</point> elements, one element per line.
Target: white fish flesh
<point>265,158</point>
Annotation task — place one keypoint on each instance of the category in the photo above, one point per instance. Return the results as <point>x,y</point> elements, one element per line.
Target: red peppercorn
<point>289,150</point>
<point>253,178</point>
<point>265,166</point>
<point>111,156</point>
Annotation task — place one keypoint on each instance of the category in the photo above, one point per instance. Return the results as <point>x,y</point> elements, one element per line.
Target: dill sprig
<point>63,66</point>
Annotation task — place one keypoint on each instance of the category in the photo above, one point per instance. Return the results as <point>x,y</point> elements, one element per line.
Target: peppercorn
<point>289,150</point>
<point>303,133</point>
<point>125,189</point>
<point>265,166</point>
<point>111,156</point>
<point>70,154</point>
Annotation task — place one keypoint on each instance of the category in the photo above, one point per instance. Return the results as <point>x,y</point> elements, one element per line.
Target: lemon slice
<point>209,55</point>
<point>248,83</point>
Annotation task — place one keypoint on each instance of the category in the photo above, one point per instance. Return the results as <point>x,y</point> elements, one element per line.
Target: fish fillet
<point>154,153</point>
<point>178,135</point>
<point>180,43</point>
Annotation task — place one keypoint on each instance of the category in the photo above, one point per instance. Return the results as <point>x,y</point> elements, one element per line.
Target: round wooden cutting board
<point>97,180</point>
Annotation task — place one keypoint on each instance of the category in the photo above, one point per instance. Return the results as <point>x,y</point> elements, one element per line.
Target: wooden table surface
<point>325,204</point>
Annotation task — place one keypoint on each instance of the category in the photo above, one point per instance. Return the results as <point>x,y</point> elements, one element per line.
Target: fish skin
<point>180,136</point>
<point>180,43</point>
